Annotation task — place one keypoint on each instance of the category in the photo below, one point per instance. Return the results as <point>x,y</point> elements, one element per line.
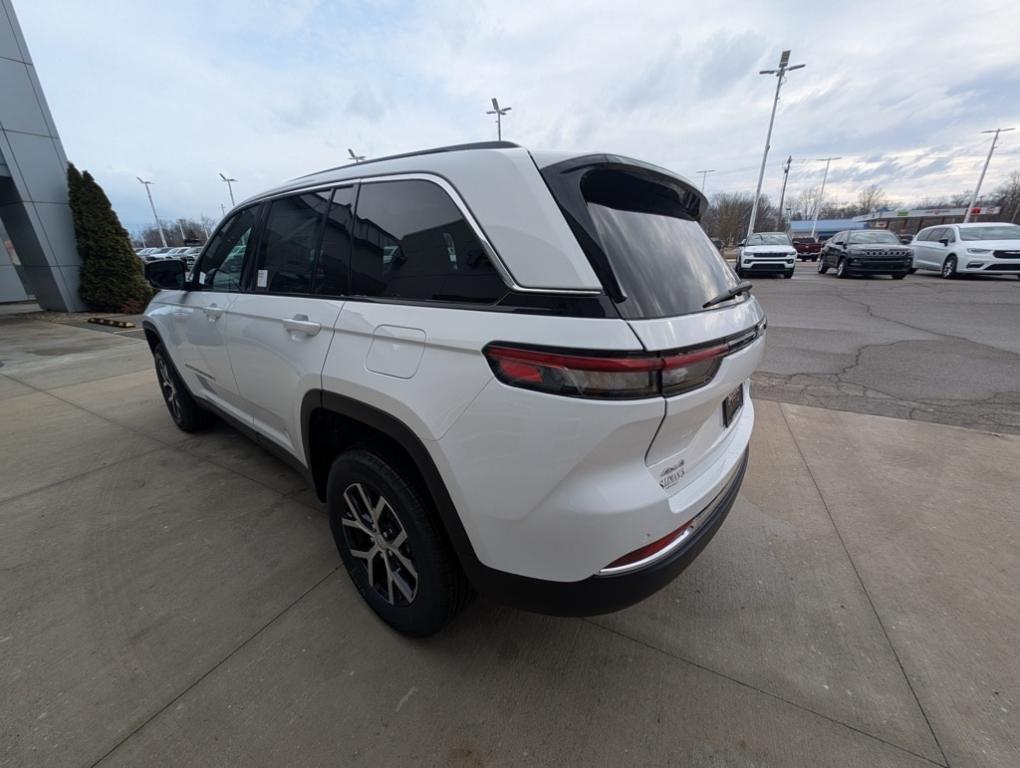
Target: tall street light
<point>499,112</point>
<point>146,184</point>
<point>230,187</point>
<point>784,67</point>
<point>704,176</point>
<point>821,193</point>
<point>977,189</point>
<point>356,158</point>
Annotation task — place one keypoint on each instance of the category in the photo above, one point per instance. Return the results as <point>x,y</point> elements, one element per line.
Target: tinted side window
<point>332,275</point>
<point>411,242</point>
<point>935,234</point>
<point>220,268</point>
<point>289,243</point>
<point>949,234</point>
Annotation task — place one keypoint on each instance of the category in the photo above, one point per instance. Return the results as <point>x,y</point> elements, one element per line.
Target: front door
<point>281,330</point>
<point>200,320</point>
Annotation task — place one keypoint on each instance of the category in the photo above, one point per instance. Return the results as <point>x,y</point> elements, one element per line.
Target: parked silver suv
<point>522,373</point>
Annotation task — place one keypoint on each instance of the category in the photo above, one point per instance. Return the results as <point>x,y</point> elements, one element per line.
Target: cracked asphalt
<point>921,348</point>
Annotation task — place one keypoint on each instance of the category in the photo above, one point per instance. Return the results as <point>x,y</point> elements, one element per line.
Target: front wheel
<point>788,275</point>
<point>187,414</point>
<point>949,268</point>
<point>822,267</point>
<point>739,271</point>
<point>898,277</point>
<point>841,269</point>
<point>392,544</point>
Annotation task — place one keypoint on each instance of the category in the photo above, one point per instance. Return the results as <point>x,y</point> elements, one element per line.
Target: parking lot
<point>176,600</point>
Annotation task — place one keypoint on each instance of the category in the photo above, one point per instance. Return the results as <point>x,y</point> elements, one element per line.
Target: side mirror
<point>166,274</point>
<point>944,240</point>
<point>741,244</point>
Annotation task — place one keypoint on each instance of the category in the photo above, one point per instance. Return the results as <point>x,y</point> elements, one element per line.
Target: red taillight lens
<point>649,549</point>
<point>576,375</point>
<point>607,377</point>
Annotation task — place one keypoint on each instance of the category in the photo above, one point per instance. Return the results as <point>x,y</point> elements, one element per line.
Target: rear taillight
<point>609,376</point>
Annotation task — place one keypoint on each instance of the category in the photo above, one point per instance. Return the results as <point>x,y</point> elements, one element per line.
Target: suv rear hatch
<point>638,225</point>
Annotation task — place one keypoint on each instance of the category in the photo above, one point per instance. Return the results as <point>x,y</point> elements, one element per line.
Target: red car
<point>807,248</point>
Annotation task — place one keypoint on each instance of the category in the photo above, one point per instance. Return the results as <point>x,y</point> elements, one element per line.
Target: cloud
<point>271,89</point>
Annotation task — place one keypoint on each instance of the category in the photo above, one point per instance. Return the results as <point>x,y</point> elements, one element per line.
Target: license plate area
<point>732,404</point>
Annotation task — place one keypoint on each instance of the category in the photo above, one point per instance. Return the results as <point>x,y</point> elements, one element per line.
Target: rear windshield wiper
<point>744,287</point>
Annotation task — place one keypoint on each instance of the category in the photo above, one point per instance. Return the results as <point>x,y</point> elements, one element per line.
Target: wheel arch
<point>332,423</point>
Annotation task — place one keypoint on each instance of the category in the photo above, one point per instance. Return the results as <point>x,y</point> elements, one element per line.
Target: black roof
<point>433,151</point>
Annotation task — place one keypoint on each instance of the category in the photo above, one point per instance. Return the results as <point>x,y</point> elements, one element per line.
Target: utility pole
<point>784,67</point>
<point>782,194</point>
<point>499,112</point>
<point>180,226</point>
<point>230,188</point>
<point>977,189</point>
<point>356,158</point>
<point>704,176</point>
<point>821,194</point>
<point>146,184</point>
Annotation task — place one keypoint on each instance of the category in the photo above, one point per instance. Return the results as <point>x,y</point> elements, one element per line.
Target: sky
<point>177,91</point>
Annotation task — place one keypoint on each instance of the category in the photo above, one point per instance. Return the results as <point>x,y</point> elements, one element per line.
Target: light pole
<point>977,189</point>
<point>356,158</point>
<point>821,193</point>
<point>230,187</point>
<point>146,184</point>
<point>704,176</point>
<point>499,112</point>
<point>784,67</point>
<point>782,194</point>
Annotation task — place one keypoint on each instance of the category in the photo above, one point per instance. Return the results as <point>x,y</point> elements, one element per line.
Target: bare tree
<point>870,199</point>
<point>730,212</point>
<point>1007,196</point>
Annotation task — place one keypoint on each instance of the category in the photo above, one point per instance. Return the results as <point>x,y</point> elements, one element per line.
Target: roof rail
<point>433,151</point>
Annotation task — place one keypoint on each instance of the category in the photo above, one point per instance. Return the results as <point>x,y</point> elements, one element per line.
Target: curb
<point>113,323</point>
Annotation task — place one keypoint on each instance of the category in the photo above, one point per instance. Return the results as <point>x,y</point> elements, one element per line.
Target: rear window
<point>663,261</point>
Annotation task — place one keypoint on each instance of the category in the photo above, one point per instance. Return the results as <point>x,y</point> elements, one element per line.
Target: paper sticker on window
<point>263,278</point>
<point>201,278</point>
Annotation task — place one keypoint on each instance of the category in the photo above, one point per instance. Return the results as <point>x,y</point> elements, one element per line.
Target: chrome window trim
<point>497,261</point>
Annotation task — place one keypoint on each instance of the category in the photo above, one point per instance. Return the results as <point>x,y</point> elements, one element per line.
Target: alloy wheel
<point>169,388</point>
<point>375,536</point>
<point>949,267</point>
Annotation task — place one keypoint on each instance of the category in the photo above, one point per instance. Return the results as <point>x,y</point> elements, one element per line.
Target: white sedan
<point>968,249</point>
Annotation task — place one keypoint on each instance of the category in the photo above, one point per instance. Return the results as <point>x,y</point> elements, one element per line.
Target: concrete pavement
<point>946,351</point>
<point>176,600</point>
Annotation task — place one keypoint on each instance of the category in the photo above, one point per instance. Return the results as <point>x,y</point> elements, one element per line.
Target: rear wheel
<point>392,545</point>
<point>841,268</point>
<point>187,414</point>
<point>949,268</point>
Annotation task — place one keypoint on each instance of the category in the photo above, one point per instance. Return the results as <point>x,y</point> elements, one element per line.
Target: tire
<point>416,586</point>
<point>898,277</point>
<point>912,270</point>
<point>822,267</point>
<point>739,271</point>
<point>187,414</point>
<point>788,275</point>
<point>841,269</point>
<point>949,268</point>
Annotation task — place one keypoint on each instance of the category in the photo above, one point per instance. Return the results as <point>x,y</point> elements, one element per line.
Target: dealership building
<point>38,257</point>
<point>911,221</point>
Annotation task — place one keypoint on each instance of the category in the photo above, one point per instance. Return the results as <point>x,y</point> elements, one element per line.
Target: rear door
<point>663,271</point>
<point>281,329</point>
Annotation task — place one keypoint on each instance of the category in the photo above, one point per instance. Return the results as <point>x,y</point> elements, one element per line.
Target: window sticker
<point>263,278</point>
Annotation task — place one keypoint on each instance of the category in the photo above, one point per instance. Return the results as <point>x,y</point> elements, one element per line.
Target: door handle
<point>301,324</point>
<point>213,312</point>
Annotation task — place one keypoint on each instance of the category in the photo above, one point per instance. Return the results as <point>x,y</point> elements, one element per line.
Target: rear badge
<point>671,475</point>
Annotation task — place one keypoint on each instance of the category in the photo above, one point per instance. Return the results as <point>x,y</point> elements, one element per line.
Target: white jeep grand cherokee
<point>521,373</point>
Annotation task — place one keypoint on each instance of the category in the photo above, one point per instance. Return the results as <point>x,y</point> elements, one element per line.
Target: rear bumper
<point>603,594</point>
